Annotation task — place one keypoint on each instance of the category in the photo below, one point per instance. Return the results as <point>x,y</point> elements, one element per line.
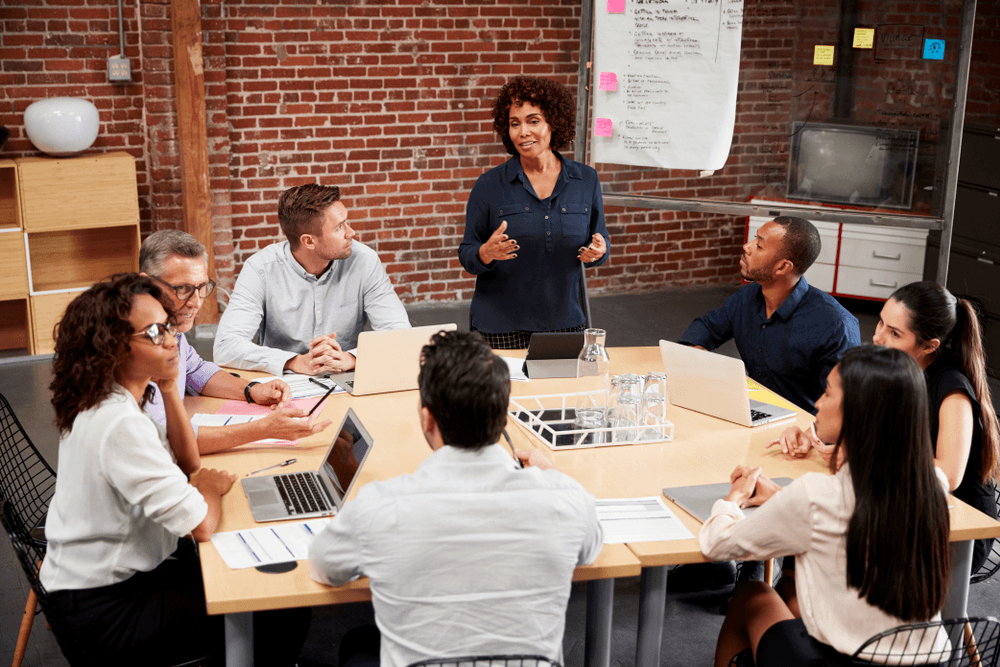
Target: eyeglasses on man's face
<point>157,332</point>
<point>185,292</point>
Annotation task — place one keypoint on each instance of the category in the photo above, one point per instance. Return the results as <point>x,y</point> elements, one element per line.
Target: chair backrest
<point>29,554</point>
<point>974,642</point>
<point>26,480</point>
<point>490,661</point>
<point>992,563</point>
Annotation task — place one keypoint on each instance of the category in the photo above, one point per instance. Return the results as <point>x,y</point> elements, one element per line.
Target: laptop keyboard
<point>757,415</point>
<point>300,493</point>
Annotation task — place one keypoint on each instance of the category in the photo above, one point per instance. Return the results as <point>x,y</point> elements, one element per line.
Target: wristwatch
<point>246,391</point>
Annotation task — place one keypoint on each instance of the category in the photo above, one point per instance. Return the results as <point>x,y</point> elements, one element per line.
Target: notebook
<point>303,495</point>
<point>715,385</point>
<point>698,500</point>
<point>388,360</point>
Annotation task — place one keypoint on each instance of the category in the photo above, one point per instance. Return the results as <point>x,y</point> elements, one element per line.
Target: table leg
<point>957,599</point>
<point>652,607</point>
<point>600,604</point>
<point>239,639</point>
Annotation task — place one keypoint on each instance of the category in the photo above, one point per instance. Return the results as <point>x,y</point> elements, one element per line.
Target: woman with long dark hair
<point>861,536</point>
<point>123,498</point>
<point>943,336</point>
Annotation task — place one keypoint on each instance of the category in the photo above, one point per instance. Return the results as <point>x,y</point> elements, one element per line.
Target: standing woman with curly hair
<point>531,220</point>
<point>122,497</point>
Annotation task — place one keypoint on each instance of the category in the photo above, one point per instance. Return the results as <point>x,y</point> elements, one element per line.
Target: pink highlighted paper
<point>616,6</point>
<point>609,81</point>
<point>603,127</point>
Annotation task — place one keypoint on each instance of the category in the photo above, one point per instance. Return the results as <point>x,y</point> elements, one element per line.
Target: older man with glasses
<point>179,264</point>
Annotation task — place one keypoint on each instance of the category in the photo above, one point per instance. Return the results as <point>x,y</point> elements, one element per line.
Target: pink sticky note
<point>616,6</point>
<point>608,81</point>
<point>602,127</point>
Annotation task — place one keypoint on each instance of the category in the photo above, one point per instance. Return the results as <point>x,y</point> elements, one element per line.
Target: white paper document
<point>516,368</point>
<point>639,520</point>
<point>307,386</point>
<point>279,543</point>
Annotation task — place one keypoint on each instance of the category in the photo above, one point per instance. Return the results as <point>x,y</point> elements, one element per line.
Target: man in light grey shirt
<point>469,555</point>
<point>307,299</point>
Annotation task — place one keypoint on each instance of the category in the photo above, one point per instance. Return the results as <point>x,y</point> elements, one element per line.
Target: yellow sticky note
<point>864,38</point>
<point>823,55</point>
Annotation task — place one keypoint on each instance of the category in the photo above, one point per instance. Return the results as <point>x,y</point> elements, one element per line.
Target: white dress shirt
<point>807,519</point>
<point>120,501</point>
<point>468,555</point>
<point>285,307</point>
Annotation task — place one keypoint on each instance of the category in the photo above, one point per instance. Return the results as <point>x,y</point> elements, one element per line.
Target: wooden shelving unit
<point>65,223</point>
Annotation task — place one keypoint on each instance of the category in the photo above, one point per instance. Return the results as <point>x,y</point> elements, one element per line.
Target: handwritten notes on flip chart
<point>677,66</point>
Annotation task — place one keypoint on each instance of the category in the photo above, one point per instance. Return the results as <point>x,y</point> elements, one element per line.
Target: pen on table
<point>276,465</point>
<point>243,540</point>
<point>315,381</point>
<point>328,392</point>
<point>520,464</point>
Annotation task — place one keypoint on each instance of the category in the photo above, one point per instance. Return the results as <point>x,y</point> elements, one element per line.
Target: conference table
<point>703,450</point>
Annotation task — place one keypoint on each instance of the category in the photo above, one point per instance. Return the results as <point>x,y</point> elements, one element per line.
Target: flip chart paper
<point>608,81</point>
<point>677,69</point>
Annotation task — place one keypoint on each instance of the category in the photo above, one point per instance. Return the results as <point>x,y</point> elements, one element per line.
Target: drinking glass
<point>654,395</point>
<point>627,417</point>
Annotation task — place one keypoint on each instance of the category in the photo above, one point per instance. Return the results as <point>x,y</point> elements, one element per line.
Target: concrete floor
<point>692,620</point>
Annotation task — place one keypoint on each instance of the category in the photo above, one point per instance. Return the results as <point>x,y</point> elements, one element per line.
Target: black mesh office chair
<point>30,555</point>
<point>974,642</point>
<point>992,564</point>
<point>27,482</point>
<point>490,661</point>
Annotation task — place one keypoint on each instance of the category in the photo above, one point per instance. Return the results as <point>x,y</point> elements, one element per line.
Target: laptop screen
<point>346,455</point>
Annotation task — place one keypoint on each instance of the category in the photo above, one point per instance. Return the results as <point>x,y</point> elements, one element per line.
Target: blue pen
<point>248,547</point>
<point>309,529</point>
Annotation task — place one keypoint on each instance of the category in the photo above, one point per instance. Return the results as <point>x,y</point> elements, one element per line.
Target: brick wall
<point>389,99</point>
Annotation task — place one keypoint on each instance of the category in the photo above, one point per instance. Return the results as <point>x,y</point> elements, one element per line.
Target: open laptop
<point>388,360</point>
<point>304,495</point>
<point>553,354</point>
<point>715,385</point>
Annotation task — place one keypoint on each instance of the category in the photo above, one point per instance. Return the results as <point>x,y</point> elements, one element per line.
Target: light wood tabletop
<point>704,450</point>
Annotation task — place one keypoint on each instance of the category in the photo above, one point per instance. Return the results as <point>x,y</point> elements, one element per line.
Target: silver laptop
<point>715,385</point>
<point>697,500</point>
<point>388,360</point>
<point>303,495</point>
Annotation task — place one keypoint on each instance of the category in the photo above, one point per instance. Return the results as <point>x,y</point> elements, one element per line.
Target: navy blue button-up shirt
<point>539,290</point>
<point>790,352</point>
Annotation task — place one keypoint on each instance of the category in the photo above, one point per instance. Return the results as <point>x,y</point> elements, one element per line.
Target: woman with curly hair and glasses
<point>122,497</point>
<point>531,220</point>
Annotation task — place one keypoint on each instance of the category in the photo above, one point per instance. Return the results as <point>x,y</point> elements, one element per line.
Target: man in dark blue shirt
<point>790,335</point>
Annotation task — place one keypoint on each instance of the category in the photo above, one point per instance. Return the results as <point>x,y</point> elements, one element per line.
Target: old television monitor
<point>856,165</point>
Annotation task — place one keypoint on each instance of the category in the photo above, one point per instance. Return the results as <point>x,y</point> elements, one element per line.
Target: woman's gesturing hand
<point>498,246</point>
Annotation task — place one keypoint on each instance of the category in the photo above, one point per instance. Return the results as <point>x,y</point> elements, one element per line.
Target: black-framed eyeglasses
<point>157,332</point>
<point>185,292</point>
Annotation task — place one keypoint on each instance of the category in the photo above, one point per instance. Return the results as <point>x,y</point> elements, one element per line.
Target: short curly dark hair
<point>555,101</point>
<point>92,341</point>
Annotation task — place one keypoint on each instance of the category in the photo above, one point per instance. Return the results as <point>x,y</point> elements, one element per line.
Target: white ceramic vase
<point>62,126</point>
